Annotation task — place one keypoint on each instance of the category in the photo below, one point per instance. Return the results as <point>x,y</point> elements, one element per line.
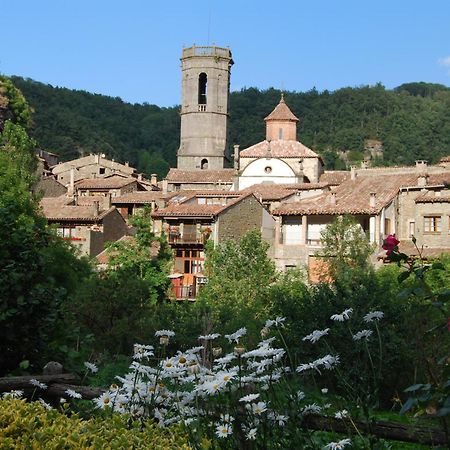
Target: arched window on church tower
<point>202,88</point>
<point>204,164</point>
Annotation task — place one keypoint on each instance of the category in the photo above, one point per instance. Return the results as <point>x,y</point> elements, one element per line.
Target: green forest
<point>412,122</point>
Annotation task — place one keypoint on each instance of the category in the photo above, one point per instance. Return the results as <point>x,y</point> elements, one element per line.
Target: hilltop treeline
<point>412,122</point>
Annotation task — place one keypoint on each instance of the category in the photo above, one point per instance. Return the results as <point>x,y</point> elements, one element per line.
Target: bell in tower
<point>204,109</point>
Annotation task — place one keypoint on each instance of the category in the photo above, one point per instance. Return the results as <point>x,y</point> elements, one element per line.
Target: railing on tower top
<point>207,51</point>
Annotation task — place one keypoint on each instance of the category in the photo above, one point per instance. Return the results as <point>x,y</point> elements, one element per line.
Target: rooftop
<point>278,149</point>
<point>351,197</point>
<point>282,113</point>
<point>200,176</point>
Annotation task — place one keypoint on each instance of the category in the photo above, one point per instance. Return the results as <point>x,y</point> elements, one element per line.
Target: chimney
<point>97,158</point>
<point>154,179</point>
<point>421,166</point>
<point>127,164</point>
<point>333,200</point>
<point>95,208</point>
<point>71,189</point>
<point>75,198</point>
<point>373,199</point>
<point>107,201</point>
<point>236,156</point>
<point>353,172</point>
<point>422,179</point>
<point>139,177</point>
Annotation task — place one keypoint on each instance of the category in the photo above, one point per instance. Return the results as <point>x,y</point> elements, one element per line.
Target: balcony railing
<point>188,238</point>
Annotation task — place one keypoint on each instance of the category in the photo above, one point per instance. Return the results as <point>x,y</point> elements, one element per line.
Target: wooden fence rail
<point>59,383</point>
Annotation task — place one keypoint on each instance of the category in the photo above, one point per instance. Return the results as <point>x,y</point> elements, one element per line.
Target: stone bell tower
<point>204,109</point>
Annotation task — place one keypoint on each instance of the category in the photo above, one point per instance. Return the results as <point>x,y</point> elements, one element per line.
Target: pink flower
<point>390,244</point>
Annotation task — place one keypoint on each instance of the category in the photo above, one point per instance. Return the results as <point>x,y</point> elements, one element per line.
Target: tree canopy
<point>411,121</point>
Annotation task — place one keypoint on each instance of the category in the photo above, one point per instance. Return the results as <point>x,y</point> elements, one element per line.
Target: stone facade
<point>92,166</point>
<point>204,107</point>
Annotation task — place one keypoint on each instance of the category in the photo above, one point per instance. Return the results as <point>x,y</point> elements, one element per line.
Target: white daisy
<point>338,445</point>
<point>209,337</point>
<point>167,333</point>
<point>91,367</point>
<point>223,430</point>
<point>103,401</point>
<point>341,414</point>
<point>345,315</point>
<point>258,408</point>
<point>373,315</point>
<point>316,335</point>
<point>38,384</point>
<point>236,335</point>
<point>251,434</point>
<point>278,321</point>
<point>363,334</point>
<point>73,394</point>
<point>249,398</point>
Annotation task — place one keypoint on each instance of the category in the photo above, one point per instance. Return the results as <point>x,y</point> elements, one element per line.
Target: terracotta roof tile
<point>56,211</point>
<point>196,210</point>
<point>200,176</point>
<point>431,197</point>
<point>140,197</point>
<point>113,182</point>
<point>445,159</point>
<point>335,177</point>
<point>278,149</point>
<point>282,112</point>
<point>352,197</point>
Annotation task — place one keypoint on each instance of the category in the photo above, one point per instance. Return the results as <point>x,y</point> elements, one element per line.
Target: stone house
<point>88,227</point>
<point>113,186</point>
<point>193,220</point>
<point>92,166</point>
<point>373,201</point>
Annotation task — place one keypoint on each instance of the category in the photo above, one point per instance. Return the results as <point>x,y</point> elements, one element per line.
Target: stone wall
<point>235,221</point>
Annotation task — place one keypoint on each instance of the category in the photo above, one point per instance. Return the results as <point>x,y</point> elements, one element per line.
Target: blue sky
<point>131,49</point>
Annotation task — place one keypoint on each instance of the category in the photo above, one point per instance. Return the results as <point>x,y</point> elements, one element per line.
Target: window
<point>64,232</point>
<point>280,133</point>
<point>432,224</point>
<point>101,171</point>
<point>268,169</point>
<point>202,88</point>
<point>412,228</point>
<point>292,231</point>
<point>387,226</point>
<point>204,164</point>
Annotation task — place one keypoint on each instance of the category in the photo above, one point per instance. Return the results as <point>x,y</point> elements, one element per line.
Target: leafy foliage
<point>115,306</point>
<point>30,425</point>
<point>37,271</point>
<point>412,121</point>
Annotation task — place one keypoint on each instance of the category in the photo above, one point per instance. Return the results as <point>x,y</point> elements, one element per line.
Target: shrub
<point>31,425</point>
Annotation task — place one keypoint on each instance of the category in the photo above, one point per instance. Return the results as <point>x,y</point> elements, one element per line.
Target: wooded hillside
<point>412,122</point>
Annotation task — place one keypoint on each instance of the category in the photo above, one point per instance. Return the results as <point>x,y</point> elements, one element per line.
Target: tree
<point>37,270</point>
<point>345,245</point>
<point>240,275</point>
<point>117,305</point>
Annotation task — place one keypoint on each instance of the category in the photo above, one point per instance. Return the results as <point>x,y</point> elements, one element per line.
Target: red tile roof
<point>113,182</point>
<point>57,211</point>
<point>352,197</point>
<point>334,177</point>
<point>282,113</point>
<point>139,197</point>
<point>196,210</point>
<point>200,176</point>
<point>431,197</point>
<point>278,149</point>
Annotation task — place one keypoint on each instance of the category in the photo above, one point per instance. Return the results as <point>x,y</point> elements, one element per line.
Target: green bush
<point>30,425</point>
